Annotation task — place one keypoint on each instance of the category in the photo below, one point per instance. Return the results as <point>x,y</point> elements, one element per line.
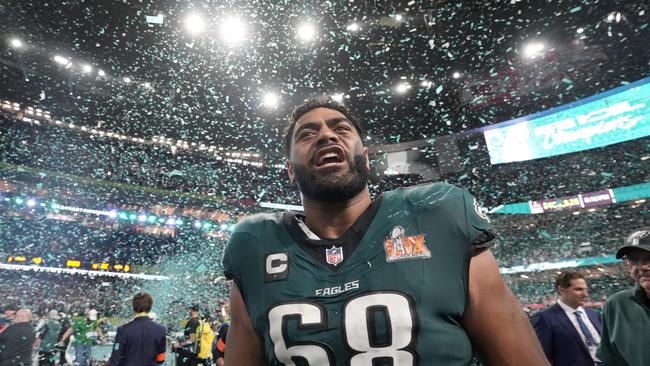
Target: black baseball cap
<point>194,307</point>
<point>640,239</point>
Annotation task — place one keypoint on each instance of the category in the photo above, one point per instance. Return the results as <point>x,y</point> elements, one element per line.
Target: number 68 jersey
<point>391,291</point>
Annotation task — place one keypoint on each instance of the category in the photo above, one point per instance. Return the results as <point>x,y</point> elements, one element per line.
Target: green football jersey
<point>393,292</point>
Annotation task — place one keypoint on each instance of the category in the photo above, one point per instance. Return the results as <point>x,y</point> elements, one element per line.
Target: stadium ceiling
<point>228,73</point>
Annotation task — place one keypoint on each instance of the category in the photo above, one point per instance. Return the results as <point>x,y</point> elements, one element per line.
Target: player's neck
<point>332,219</point>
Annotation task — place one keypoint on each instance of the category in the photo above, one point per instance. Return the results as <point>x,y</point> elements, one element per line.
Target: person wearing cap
<point>140,342</point>
<point>47,339</point>
<point>86,331</point>
<point>626,314</point>
<point>185,354</point>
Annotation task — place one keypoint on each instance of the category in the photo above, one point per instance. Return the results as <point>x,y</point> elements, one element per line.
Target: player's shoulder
<point>257,223</point>
<point>427,194</point>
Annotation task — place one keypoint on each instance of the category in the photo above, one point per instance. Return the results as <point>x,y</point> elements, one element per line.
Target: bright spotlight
<point>147,85</point>
<point>270,100</point>
<point>402,88</point>
<point>87,68</point>
<point>398,17</point>
<point>353,27</point>
<point>533,49</point>
<point>306,32</point>
<point>194,24</point>
<point>61,60</point>
<point>101,72</point>
<point>456,75</point>
<point>338,97</point>
<point>233,30</point>
<point>16,43</point>
<point>127,79</point>
<point>31,202</point>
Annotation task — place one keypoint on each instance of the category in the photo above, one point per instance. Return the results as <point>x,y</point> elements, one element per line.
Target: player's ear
<point>290,172</point>
<point>365,155</point>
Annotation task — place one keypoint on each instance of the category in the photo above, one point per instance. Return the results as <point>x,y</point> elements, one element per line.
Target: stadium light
<point>127,79</point>
<point>399,17</point>
<point>61,60</point>
<point>233,30</point>
<point>31,202</point>
<point>101,72</point>
<point>338,97</point>
<point>194,24</point>
<point>456,75</point>
<point>147,85</point>
<point>16,43</point>
<point>353,27</point>
<point>402,88</point>
<point>306,32</point>
<point>270,100</point>
<point>87,68</point>
<point>533,49</point>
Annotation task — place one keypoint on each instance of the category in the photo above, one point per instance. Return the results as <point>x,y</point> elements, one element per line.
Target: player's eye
<point>306,133</point>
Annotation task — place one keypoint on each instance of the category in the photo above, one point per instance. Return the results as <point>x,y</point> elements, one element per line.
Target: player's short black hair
<point>311,104</point>
<point>142,302</point>
<point>564,279</point>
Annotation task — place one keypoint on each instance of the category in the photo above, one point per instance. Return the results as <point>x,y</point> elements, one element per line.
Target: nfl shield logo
<point>334,255</point>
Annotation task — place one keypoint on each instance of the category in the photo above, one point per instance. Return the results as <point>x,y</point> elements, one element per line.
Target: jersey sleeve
<point>477,224</point>
<point>239,262</point>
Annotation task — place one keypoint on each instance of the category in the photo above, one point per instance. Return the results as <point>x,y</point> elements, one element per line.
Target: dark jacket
<point>625,332</point>
<point>140,342</point>
<point>16,344</point>
<point>560,340</point>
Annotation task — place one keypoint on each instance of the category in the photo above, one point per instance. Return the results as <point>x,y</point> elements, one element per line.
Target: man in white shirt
<point>569,333</point>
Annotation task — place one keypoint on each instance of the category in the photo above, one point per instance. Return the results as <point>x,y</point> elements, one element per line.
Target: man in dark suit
<point>140,342</point>
<point>569,333</point>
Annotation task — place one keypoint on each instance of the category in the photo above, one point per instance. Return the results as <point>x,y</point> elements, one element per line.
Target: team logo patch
<point>399,247</point>
<point>334,255</point>
<point>480,211</point>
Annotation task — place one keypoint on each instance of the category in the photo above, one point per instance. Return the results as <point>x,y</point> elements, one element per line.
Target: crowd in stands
<point>155,166</point>
<point>555,236</point>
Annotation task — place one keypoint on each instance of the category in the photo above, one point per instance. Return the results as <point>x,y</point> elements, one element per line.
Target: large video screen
<point>618,115</point>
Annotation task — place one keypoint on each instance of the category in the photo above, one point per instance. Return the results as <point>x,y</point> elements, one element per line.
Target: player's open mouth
<point>329,157</point>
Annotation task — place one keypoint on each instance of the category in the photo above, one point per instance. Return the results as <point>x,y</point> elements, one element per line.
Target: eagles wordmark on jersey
<point>392,292</point>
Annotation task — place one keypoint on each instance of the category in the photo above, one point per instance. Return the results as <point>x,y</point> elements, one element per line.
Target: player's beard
<point>333,187</point>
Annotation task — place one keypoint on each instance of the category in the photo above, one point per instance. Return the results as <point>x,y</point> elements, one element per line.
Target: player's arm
<point>244,346</point>
<point>495,321</point>
<point>66,334</point>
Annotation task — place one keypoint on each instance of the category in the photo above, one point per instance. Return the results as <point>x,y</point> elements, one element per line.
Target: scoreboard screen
<point>618,115</point>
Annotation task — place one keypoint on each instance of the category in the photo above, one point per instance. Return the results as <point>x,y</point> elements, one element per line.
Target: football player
<point>329,287</point>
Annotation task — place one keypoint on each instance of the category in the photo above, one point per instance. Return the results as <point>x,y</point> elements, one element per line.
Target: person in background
<point>184,348</point>
<point>17,341</point>
<point>8,316</point>
<point>47,339</point>
<point>140,342</point>
<point>626,314</point>
<point>569,333</point>
<point>86,331</point>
